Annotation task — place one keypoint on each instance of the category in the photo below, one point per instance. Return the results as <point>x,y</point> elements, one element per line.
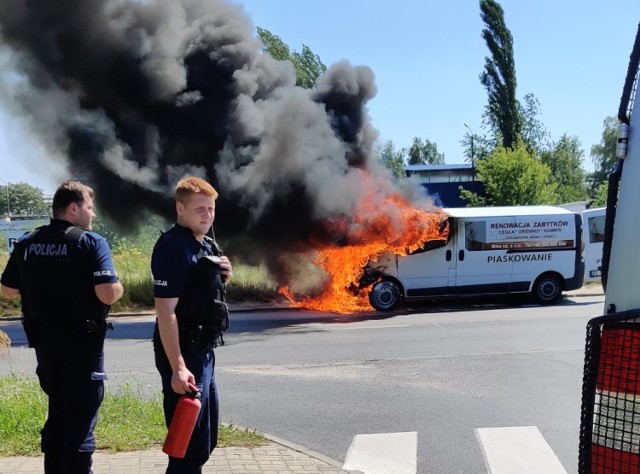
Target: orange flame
<point>393,225</point>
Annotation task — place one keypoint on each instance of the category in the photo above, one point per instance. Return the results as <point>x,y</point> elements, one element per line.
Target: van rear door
<point>593,238</point>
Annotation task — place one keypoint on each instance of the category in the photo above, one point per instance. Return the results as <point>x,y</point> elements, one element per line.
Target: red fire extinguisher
<point>182,424</point>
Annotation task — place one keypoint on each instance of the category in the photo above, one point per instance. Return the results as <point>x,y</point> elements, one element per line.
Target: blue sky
<point>426,57</point>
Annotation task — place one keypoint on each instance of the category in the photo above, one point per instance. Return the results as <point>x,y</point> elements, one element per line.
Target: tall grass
<point>252,283</point>
<point>23,408</point>
<point>127,421</point>
<point>134,270</point>
<point>249,283</point>
<point>132,262</point>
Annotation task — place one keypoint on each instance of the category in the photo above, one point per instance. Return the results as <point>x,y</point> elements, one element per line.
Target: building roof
<point>460,166</point>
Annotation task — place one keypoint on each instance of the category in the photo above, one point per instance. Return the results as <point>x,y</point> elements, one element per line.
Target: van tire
<point>385,296</point>
<point>547,289</point>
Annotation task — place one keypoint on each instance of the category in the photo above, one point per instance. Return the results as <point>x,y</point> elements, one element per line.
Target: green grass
<point>249,283</point>
<point>23,408</point>
<point>134,270</point>
<point>126,421</point>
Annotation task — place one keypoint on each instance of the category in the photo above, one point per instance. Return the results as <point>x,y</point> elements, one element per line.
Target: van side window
<point>446,227</point>
<point>475,235</point>
<point>430,245</point>
<point>596,229</point>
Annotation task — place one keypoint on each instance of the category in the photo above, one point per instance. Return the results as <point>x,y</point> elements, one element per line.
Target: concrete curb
<point>241,307</point>
<point>591,290</point>
<point>289,445</point>
<point>584,294</point>
<point>308,452</point>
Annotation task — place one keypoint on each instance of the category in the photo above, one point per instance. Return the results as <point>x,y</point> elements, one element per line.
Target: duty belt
<point>195,337</point>
<point>88,324</point>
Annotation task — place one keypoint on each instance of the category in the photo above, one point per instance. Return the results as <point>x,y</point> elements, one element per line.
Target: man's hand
<point>226,270</point>
<point>181,381</point>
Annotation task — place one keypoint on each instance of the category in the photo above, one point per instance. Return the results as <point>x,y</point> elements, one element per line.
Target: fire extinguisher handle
<point>195,393</point>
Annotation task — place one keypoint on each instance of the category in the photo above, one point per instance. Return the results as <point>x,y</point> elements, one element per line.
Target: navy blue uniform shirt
<point>60,273</point>
<point>176,251</point>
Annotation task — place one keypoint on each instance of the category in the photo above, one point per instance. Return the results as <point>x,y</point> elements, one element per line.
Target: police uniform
<point>174,264</point>
<point>56,269</point>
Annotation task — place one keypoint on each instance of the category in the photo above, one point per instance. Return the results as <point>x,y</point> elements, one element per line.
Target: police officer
<point>65,276</point>
<point>187,295</point>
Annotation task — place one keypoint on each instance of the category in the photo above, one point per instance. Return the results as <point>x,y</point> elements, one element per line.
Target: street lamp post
<point>473,163</point>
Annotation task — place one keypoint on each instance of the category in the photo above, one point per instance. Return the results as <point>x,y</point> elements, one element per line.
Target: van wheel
<point>547,289</point>
<point>385,296</point>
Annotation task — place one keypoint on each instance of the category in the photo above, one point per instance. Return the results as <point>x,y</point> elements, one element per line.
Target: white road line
<point>520,449</point>
<point>383,453</point>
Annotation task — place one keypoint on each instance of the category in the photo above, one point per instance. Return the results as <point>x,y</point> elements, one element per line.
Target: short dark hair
<point>67,193</point>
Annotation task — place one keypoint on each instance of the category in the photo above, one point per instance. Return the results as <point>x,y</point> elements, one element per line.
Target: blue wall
<point>448,195</point>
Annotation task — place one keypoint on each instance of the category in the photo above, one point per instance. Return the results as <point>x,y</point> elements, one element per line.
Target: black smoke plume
<point>138,94</point>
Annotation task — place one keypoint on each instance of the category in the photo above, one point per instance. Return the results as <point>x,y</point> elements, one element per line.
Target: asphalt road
<point>320,379</point>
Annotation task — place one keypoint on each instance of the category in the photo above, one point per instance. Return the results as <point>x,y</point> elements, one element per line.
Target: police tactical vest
<point>201,310</point>
<point>56,276</point>
<point>202,295</point>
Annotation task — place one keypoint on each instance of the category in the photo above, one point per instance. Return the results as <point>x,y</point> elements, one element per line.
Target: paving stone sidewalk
<point>273,458</point>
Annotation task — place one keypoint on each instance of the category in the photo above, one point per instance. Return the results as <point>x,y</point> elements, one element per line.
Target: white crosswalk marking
<point>520,449</point>
<point>383,453</point>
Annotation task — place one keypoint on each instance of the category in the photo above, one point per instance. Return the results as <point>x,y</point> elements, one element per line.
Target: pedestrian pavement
<point>275,457</point>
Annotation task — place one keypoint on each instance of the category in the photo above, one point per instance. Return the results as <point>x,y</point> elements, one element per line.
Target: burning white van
<point>528,250</point>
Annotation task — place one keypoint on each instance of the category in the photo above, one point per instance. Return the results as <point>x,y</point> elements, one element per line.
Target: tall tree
<point>23,199</point>
<point>511,177</point>
<point>533,132</point>
<point>391,158</point>
<point>274,45</point>
<point>308,65</point>
<point>502,112</point>
<point>564,159</point>
<point>599,198</point>
<point>603,154</point>
<point>476,147</point>
<point>424,153</point>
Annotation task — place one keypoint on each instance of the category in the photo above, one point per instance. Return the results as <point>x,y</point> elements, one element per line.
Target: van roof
<point>498,211</point>
<point>595,210</point>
